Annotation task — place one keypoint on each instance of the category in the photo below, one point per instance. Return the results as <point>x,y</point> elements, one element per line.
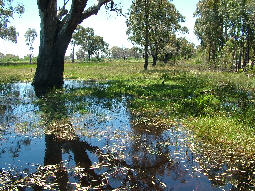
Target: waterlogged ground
<point>59,142</point>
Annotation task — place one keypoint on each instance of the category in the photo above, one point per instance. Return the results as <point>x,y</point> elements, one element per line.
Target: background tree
<point>84,37</point>
<point>7,12</point>
<point>1,55</point>
<point>57,27</point>
<point>136,52</point>
<point>187,49</point>
<point>116,52</point>
<point>222,26</point>
<point>100,47</point>
<point>30,37</point>
<point>81,54</point>
<point>138,25</point>
<point>89,42</point>
<point>124,53</point>
<point>160,17</point>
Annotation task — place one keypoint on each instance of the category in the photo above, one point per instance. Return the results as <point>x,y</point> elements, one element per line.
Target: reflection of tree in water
<point>60,135</point>
<point>10,100</point>
<point>141,162</point>
<point>152,157</point>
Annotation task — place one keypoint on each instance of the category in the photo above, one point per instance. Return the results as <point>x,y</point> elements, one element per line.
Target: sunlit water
<point>87,143</point>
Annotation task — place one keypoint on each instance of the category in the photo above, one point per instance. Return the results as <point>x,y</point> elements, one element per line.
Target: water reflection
<point>60,142</point>
<point>60,134</point>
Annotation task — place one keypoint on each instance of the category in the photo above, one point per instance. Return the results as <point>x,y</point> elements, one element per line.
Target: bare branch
<point>62,11</point>
<point>65,3</point>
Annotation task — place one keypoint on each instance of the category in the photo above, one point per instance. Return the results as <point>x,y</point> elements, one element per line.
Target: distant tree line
<point>6,59</point>
<point>90,45</point>
<point>226,29</point>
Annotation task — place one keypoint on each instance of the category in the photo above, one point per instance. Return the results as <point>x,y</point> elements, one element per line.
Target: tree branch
<point>94,9</point>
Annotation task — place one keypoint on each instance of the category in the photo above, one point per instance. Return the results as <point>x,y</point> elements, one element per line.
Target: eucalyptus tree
<point>208,26</point>
<point>100,47</point>
<point>81,54</point>
<point>150,24</point>
<point>89,42</point>
<point>118,52</point>
<point>222,23</point>
<point>57,27</point>
<point>135,52</point>
<point>7,12</point>
<point>84,37</point>
<point>165,22</point>
<point>30,37</point>
<point>138,25</point>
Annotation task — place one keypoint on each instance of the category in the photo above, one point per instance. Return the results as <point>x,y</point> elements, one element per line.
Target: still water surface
<point>88,143</point>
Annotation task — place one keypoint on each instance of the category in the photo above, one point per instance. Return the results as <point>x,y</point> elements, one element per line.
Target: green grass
<point>218,107</point>
<point>14,73</point>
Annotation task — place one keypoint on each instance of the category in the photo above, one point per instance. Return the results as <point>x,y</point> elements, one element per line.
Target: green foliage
<point>226,30</point>
<point>89,42</point>
<point>177,48</point>
<point>125,53</point>
<point>7,11</point>
<point>152,23</point>
<point>30,37</point>
<point>187,94</point>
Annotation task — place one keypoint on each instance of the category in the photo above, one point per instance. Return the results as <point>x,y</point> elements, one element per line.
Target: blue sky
<point>108,25</point>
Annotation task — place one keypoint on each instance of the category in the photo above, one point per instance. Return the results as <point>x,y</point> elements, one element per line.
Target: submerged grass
<point>218,107</point>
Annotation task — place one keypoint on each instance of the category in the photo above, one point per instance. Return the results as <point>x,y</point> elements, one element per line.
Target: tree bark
<point>154,57</point>
<point>146,56</point>
<point>30,58</point>
<point>50,64</point>
<point>166,58</point>
<point>73,54</point>
<point>55,36</point>
<point>53,45</point>
<point>209,54</point>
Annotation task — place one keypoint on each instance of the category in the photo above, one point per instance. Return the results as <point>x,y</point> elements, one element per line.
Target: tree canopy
<point>152,22</point>
<point>226,28</point>
<point>30,37</point>
<point>8,9</point>
<point>89,42</point>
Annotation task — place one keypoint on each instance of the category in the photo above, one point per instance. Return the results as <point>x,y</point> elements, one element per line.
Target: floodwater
<point>88,143</point>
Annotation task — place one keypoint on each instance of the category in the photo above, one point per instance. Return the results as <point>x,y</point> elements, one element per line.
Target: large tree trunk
<point>53,45</point>
<point>50,64</point>
<point>56,33</point>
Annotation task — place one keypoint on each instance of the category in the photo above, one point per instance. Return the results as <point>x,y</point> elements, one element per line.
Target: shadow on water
<point>58,142</point>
